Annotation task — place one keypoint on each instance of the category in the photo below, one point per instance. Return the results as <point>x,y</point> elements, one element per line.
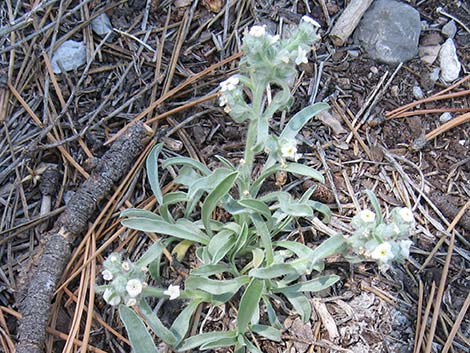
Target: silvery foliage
<point>249,253</point>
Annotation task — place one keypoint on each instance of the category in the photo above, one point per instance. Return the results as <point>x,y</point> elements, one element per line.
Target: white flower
<point>222,100</point>
<point>144,269</point>
<point>114,258</point>
<point>274,39</point>
<point>126,266</point>
<point>367,216</point>
<point>227,109</point>
<point>406,215</point>
<point>172,291</point>
<point>301,56</point>
<point>311,21</point>
<point>229,84</point>
<point>110,297</point>
<point>107,275</point>
<point>131,302</point>
<point>285,59</point>
<point>134,287</point>
<point>405,248</point>
<point>242,162</point>
<point>382,252</point>
<point>289,150</point>
<point>257,31</point>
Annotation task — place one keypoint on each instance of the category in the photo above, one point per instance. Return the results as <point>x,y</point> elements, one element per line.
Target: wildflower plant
<point>248,255</point>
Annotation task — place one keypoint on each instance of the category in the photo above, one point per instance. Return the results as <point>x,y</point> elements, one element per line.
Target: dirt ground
<point>169,54</point>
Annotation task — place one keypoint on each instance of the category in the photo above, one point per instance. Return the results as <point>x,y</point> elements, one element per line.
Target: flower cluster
<point>268,59</point>
<point>379,241</point>
<point>125,281</point>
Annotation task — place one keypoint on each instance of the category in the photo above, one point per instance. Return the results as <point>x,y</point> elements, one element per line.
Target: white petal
<point>107,275</point>
<point>173,291</point>
<point>257,31</point>
<point>134,287</point>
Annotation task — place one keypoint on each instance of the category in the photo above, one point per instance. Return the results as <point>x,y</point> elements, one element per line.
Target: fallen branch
<point>348,21</point>
<point>36,306</point>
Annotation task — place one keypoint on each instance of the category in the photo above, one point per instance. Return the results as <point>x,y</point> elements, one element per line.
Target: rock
<point>429,54</point>
<point>389,31</point>
<point>449,29</point>
<point>101,25</point>
<point>434,75</point>
<point>418,92</point>
<point>374,70</point>
<point>70,54</point>
<point>449,61</point>
<point>445,117</point>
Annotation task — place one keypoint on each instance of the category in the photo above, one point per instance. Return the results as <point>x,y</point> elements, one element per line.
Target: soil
<point>67,121</point>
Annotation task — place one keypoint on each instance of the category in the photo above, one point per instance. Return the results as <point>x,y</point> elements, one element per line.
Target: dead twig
<point>36,306</point>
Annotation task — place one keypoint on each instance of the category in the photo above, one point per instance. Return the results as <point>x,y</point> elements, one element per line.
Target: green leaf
<point>220,245</point>
<point>301,305</point>
<point>298,121</point>
<point>152,172</point>
<point>163,227</point>
<point>186,162</point>
<point>226,162</point>
<point>216,287</point>
<point>249,303</point>
<point>153,253</point>
<point>181,324</point>
<point>273,271</point>
<point>313,285</point>
<point>242,239</point>
<point>211,269</point>
<point>376,205</point>
<point>268,332</point>
<point>323,209</point>
<point>329,247</point>
<point>214,197</point>
<point>273,320</point>
<point>257,206</point>
<point>137,212</point>
<point>141,340</point>
<point>203,338</point>
<point>265,236</point>
<point>300,169</point>
<point>221,342</point>
<point>251,347</point>
<point>156,325</point>
<point>297,248</point>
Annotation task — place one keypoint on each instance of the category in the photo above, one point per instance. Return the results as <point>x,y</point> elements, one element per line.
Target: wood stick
<point>348,21</point>
<point>36,305</point>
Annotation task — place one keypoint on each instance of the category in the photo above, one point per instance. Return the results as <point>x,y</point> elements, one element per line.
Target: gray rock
<point>449,61</point>
<point>418,92</point>
<point>389,31</point>
<point>445,117</point>
<point>449,29</point>
<point>70,54</point>
<point>101,25</point>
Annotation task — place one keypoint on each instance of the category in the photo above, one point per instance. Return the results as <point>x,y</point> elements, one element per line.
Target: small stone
<point>394,90</point>
<point>374,70</point>
<point>449,61</point>
<point>389,31</point>
<point>418,92</point>
<point>445,117</point>
<point>354,53</point>
<point>434,75</point>
<point>70,54</point>
<point>429,54</point>
<point>450,29</point>
<point>101,25</point>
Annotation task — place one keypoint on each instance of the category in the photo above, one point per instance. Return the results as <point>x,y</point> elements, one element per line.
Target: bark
<point>36,306</point>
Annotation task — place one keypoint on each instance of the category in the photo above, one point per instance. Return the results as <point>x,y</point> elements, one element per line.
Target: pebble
<point>70,54</point>
<point>394,91</point>
<point>374,70</point>
<point>389,31</point>
<point>445,117</point>
<point>449,29</point>
<point>428,54</point>
<point>101,25</point>
<point>449,61</point>
<point>434,75</point>
<point>418,92</point>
